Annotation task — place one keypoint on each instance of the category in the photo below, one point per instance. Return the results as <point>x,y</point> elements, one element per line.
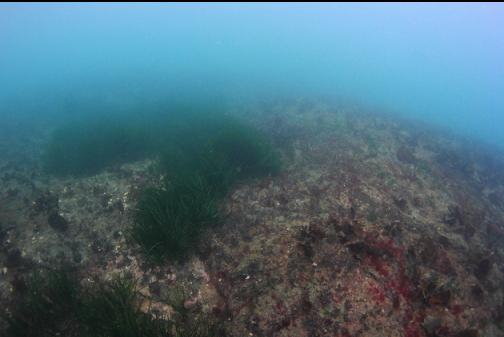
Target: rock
<point>401,203</point>
<point>494,230</point>
<point>483,269</point>
<point>477,292</point>
<point>467,333</point>
<point>431,324</point>
<point>362,248</point>
<point>345,231</point>
<point>454,217</point>
<point>444,241</point>
<point>76,256</point>
<point>155,288</point>
<point>190,303</point>
<point>440,297</point>
<point>405,155</point>
<point>46,202</point>
<point>4,230</point>
<point>14,258</point>
<point>18,284</point>
<point>495,199</point>
<point>57,222</point>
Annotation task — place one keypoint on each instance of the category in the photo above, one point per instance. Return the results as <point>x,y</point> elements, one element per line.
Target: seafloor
<point>376,226</point>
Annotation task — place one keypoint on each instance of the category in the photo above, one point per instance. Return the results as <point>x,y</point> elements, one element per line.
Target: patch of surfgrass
<point>220,149</point>
<point>206,157</point>
<point>85,148</point>
<point>169,221</point>
<point>54,304</point>
<point>245,151</point>
<point>46,306</point>
<point>183,164</point>
<point>113,309</point>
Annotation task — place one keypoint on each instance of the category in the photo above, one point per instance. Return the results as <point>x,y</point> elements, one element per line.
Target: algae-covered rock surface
<point>373,226</point>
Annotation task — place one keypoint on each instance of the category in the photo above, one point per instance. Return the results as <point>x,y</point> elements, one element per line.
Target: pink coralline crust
<point>443,263</point>
<point>412,323</point>
<point>457,309</point>
<point>377,293</point>
<point>413,330</point>
<point>397,283</point>
<point>443,331</point>
<point>280,308</point>
<point>378,264</point>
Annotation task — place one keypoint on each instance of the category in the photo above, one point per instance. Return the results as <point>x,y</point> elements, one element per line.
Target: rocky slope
<point>375,227</point>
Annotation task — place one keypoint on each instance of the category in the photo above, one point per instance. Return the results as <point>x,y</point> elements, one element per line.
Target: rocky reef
<point>374,226</point>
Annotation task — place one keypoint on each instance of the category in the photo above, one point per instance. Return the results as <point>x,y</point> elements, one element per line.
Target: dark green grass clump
<point>168,221</point>
<point>112,309</point>
<point>45,307</point>
<point>88,147</point>
<point>204,159</point>
<point>218,148</point>
<point>245,151</point>
<point>54,304</point>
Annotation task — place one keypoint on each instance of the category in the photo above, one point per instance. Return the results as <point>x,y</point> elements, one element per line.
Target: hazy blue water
<point>438,62</point>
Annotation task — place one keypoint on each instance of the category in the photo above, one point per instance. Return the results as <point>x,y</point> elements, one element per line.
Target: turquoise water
<point>439,63</point>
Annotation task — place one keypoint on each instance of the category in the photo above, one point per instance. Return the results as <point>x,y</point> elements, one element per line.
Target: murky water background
<point>438,63</point>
